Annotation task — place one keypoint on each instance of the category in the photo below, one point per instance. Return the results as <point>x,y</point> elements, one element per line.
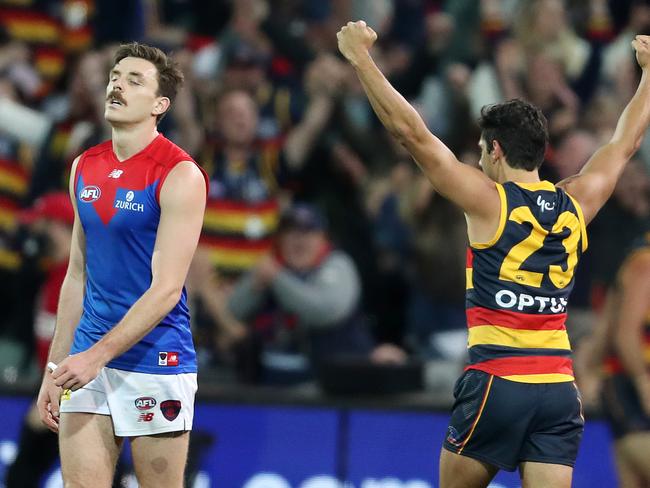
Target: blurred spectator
<point>571,154</point>
<point>78,116</point>
<point>17,274</point>
<point>546,23</point>
<point>281,92</point>
<point>302,303</point>
<point>274,116</point>
<point>613,363</point>
<point>119,20</point>
<point>416,233</point>
<point>247,174</point>
<point>624,217</point>
<point>51,219</point>
<point>54,31</point>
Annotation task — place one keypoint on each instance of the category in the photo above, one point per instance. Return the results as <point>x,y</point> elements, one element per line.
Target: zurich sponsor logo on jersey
<point>90,194</point>
<point>129,202</point>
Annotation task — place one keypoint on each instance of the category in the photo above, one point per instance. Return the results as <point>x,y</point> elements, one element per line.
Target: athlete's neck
<point>128,141</point>
<point>518,175</point>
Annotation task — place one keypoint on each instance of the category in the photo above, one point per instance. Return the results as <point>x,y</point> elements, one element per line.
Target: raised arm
<point>456,181</point>
<point>182,203</point>
<point>322,82</point>
<point>597,179</point>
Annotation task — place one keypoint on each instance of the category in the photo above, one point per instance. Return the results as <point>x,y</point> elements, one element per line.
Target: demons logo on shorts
<point>170,409</point>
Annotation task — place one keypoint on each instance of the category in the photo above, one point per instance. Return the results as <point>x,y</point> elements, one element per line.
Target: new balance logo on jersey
<point>116,173</point>
<point>167,358</point>
<point>544,205</point>
<point>129,204</point>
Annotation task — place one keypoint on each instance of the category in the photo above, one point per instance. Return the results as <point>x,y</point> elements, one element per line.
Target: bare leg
<point>632,454</point>
<point>458,471</point>
<point>159,460</point>
<point>543,475</point>
<point>628,477</point>
<point>89,450</point>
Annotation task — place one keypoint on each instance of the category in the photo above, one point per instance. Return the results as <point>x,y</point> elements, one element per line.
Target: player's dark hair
<point>170,77</point>
<point>520,129</point>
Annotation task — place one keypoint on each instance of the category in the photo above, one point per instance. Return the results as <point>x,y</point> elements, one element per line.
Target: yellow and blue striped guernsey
<point>518,285</point>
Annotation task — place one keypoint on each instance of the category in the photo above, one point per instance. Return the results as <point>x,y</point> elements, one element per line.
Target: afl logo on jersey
<point>90,194</point>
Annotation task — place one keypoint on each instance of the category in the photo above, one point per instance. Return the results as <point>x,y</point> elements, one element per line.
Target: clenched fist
<point>355,40</point>
<point>641,45</point>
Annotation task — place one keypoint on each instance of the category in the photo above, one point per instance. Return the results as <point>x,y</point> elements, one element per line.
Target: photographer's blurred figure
<point>301,305</point>
<point>50,220</point>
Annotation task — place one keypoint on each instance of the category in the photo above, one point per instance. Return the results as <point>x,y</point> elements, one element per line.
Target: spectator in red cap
<point>51,217</point>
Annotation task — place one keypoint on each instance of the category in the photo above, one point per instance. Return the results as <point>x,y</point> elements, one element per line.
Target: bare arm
<point>322,82</point>
<point>247,298</point>
<point>630,320</point>
<point>205,284</point>
<point>458,182</point>
<point>323,300</point>
<point>69,312</point>
<point>595,346</point>
<point>71,297</point>
<point>182,202</point>
<point>597,179</point>
<point>590,353</point>
<point>301,139</point>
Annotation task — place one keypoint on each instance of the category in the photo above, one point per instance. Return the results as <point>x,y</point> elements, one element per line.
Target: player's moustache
<point>117,96</point>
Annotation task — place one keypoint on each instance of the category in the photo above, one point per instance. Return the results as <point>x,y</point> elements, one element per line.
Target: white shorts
<point>138,403</point>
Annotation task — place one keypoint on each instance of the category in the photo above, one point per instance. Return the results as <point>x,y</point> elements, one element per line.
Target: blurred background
<point>328,288</point>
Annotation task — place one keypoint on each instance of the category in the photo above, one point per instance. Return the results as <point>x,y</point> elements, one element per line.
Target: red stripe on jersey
<point>520,365</point>
<point>470,258</point>
<point>514,320</point>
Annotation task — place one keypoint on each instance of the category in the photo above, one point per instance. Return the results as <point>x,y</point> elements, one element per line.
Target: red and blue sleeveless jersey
<point>518,285</point>
<point>119,209</point>
<point>612,364</point>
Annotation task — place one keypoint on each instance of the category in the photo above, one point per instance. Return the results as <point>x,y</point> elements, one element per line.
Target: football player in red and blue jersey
<point>122,362</point>
<point>516,405</point>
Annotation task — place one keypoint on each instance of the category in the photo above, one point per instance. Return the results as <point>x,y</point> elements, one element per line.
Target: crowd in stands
<point>321,238</point>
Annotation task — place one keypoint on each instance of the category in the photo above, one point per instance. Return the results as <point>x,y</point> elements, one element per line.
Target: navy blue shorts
<point>622,407</point>
<point>504,423</point>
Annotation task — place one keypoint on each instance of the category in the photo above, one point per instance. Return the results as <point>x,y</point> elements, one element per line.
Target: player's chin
<point>111,116</point>
<point>114,117</point>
